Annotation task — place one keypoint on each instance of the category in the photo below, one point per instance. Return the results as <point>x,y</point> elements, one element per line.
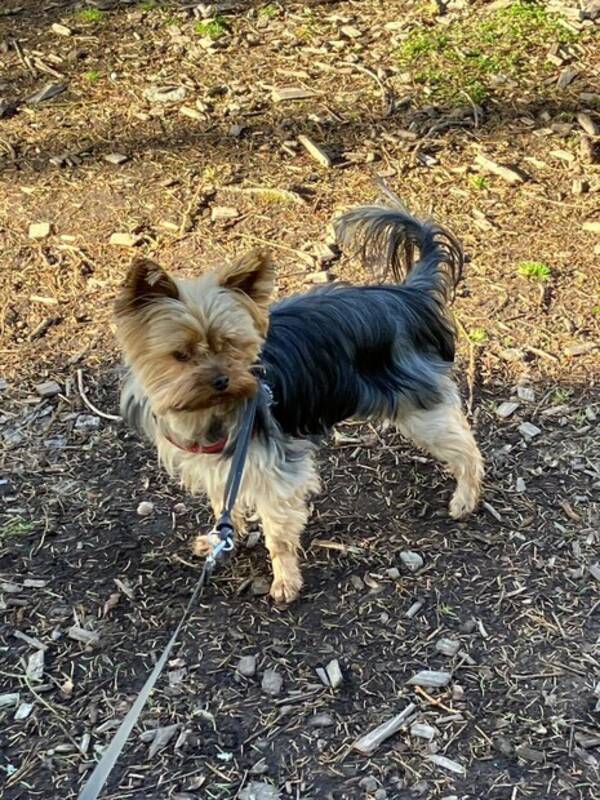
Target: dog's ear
<point>253,274</point>
<point>146,281</point>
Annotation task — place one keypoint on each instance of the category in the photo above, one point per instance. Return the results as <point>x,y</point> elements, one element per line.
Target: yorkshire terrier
<point>198,349</point>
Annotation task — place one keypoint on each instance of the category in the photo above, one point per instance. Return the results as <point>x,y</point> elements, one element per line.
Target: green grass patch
<point>93,76</point>
<point>465,60</point>
<point>213,28</point>
<point>479,182</point>
<point>90,15</point>
<point>534,270</point>
<point>269,11</point>
<point>477,335</point>
<point>15,527</point>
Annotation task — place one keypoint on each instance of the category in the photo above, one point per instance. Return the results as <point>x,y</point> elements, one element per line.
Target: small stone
<point>23,711</point>
<point>260,586</point>
<point>525,393</point>
<point>39,230</point>
<point>520,485</point>
<point>432,679</point>
<point>223,213</point>
<point>48,389</point>
<point>48,92</point>
<point>411,560</point>
<point>247,666</point>
<point>124,239</point>
<point>503,745</point>
<point>468,626</point>
<point>380,794</point>
<point>61,30</point>
<point>458,692</point>
<point>321,721</point>
<point>528,430</point>
<point>87,422</point>
<point>116,158</point>
<point>257,790</point>
<point>324,253</point>
<point>448,647</point>
<point>272,682</point>
<point>423,731</point>
<point>369,783</point>
<point>393,573</point>
<point>179,508</point>
<point>252,539</point>
<point>165,94</point>
<point>236,131</point>
<point>145,508</point>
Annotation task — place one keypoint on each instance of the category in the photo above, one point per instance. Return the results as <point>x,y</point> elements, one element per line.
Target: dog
<point>196,350</point>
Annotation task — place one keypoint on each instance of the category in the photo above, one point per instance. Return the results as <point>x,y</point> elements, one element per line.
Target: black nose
<point>220,383</point>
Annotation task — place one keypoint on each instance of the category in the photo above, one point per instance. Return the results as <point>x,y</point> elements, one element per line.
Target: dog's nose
<point>220,383</point>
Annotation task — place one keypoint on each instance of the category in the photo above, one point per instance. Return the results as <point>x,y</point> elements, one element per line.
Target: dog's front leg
<point>203,544</point>
<point>283,523</point>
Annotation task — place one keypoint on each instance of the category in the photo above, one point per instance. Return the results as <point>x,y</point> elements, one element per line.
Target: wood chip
<point>82,635</point>
<point>315,151</point>
<point>447,763</point>
<point>191,113</point>
<point>371,741</point>
<point>567,76</point>
<point>124,239</point>
<point>223,213</point>
<point>35,665</point>
<point>506,173</point>
<point>506,409</point>
<point>9,699</point>
<point>430,679</point>
<point>61,30</point>
<point>588,124</point>
<point>162,738</point>
<point>39,230</point>
<point>591,227</point>
<point>529,430</point>
<point>285,93</point>
<point>116,158</point>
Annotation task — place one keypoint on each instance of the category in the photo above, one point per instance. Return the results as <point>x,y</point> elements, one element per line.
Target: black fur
<point>343,351</point>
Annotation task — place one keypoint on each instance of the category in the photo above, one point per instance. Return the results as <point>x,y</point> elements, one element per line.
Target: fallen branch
<point>89,403</point>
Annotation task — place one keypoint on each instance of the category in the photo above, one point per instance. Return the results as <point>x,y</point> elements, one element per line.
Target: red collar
<point>208,449</point>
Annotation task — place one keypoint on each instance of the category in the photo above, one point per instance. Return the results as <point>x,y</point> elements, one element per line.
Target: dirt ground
<point>485,116</point>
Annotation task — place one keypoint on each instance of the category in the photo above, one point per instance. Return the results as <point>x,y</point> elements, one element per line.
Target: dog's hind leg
<point>444,432</point>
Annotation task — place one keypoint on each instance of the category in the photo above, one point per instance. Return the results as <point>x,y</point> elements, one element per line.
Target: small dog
<point>198,349</point>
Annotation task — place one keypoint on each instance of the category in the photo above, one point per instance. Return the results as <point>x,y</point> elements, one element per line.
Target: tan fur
<point>177,336</point>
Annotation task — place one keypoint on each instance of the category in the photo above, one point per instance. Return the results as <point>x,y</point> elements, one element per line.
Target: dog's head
<point>192,344</point>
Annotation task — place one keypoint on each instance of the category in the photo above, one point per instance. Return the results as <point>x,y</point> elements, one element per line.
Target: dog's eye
<point>180,355</point>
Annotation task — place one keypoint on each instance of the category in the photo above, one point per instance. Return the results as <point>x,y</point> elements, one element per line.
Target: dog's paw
<point>286,588</point>
<point>202,546</point>
<point>463,503</point>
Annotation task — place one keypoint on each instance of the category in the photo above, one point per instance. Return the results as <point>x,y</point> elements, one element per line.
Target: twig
<point>432,700</point>
<point>386,95</point>
<point>89,403</point>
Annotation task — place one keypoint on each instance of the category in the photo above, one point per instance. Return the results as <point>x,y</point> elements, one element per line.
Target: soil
<point>516,586</point>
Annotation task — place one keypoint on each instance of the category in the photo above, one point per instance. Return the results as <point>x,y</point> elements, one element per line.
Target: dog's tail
<point>386,237</point>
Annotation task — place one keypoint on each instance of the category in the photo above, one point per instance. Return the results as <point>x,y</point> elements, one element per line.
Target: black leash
<point>225,531</point>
